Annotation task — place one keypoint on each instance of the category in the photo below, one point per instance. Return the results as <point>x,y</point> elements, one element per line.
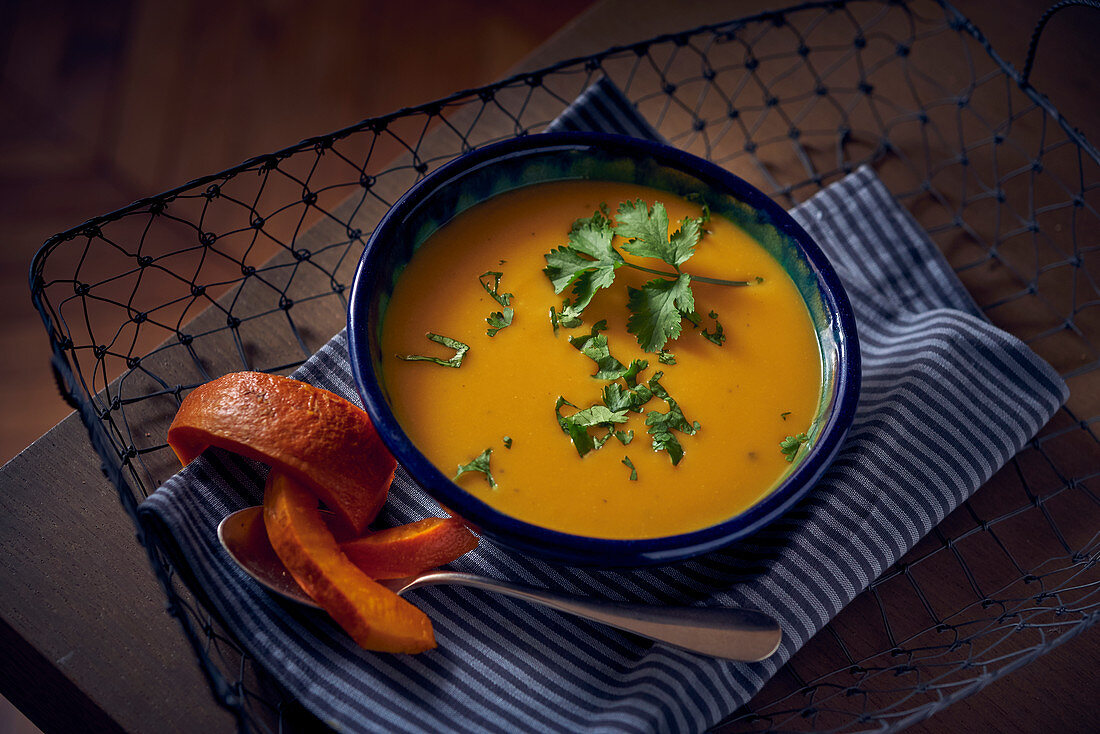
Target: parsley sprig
<point>588,263</point>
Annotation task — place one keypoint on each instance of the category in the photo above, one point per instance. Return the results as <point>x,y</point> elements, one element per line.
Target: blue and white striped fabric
<point>947,399</point>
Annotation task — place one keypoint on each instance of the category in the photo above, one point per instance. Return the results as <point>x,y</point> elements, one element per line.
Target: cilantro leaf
<point>593,237</point>
<point>560,403</point>
<point>656,386</point>
<point>563,264</point>
<point>600,218</point>
<point>594,346</point>
<point>497,320</point>
<point>569,318</point>
<point>601,440</point>
<point>507,442</point>
<point>598,415</point>
<point>656,309</point>
<point>588,262</point>
<point>663,437</point>
<point>646,226</point>
<point>576,426</point>
<point>630,465</point>
<point>625,437</point>
<point>615,398</point>
<point>455,344</point>
<point>631,374</point>
<point>632,399</point>
<point>481,464</point>
<point>791,444</point>
<point>696,198</point>
<point>666,357</point>
<point>661,425</point>
<point>582,442</point>
<point>494,289</point>
<point>646,232</point>
<point>683,241</point>
<point>719,336</point>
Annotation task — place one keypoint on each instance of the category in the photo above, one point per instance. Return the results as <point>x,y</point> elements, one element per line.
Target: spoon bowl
<point>735,634</point>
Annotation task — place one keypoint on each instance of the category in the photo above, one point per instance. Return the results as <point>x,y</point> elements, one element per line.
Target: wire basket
<point>249,269</point>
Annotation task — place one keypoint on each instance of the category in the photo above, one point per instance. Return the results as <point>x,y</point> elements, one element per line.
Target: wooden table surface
<point>83,629</point>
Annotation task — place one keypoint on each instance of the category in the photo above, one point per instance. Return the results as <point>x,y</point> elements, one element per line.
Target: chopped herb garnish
<point>600,218</point>
<point>631,374</point>
<point>586,264</point>
<point>662,425</point>
<point>455,344</point>
<point>718,337</point>
<point>497,320</point>
<point>481,464</point>
<point>598,415</point>
<point>594,346</point>
<point>784,415</point>
<point>791,444</point>
<point>576,426</point>
<point>697,198</point>
<point>660,430</point>
<point>569,318</point>
<point>615,397</point>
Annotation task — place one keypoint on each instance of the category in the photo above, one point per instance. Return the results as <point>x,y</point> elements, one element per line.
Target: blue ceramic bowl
<point>504,166</point>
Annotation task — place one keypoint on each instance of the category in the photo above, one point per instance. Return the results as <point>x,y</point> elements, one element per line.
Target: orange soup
<point>747,390</point>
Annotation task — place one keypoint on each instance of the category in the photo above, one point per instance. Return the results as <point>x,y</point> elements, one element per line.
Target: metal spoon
<point>734,634</point>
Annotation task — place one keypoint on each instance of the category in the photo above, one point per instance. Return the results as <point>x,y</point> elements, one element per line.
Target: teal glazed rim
<point>500,167</point>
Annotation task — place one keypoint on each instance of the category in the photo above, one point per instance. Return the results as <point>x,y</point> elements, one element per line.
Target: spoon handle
<point>734,634</point>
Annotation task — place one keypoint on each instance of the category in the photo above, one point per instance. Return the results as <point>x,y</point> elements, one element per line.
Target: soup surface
<point>747,394</point>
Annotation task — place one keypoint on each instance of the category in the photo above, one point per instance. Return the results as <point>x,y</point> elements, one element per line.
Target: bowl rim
<point>556,545</point>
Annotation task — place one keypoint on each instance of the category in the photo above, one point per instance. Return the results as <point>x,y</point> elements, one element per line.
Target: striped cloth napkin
<point>946,400</point>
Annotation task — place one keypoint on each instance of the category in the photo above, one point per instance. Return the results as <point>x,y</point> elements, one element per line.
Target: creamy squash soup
<point>602,359</point>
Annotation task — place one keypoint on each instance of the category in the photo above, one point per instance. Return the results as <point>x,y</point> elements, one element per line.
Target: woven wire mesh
<point>249,268</point>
